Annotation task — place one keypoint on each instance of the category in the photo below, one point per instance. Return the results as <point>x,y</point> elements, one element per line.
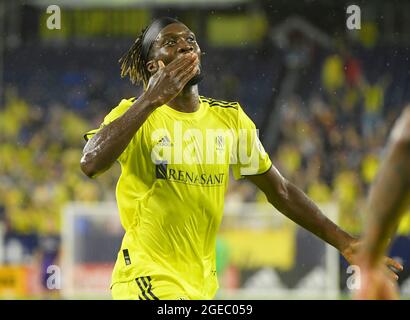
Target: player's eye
<point>191,39</point>
<point>170,42</point>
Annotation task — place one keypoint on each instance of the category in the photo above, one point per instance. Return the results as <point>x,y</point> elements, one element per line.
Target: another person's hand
<point>391,266</point>
<point>375,284</point>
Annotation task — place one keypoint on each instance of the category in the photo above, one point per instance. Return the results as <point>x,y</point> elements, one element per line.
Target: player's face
<point>173,41</point>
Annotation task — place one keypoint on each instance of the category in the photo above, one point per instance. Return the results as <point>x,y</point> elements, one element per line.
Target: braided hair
<point>133,63</point>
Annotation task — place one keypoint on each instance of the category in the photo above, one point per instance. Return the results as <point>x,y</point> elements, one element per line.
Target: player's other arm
<point>389,194</point>
<point>294,204</point>
<point>387,199</point>
<point>106,145</point>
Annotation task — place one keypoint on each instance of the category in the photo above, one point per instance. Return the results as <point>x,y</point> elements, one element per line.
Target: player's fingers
<point>182,69</point>
<point>181,62</point>
<point>182,72</point>
<point>392,276</point>
<point>184,77</point>
<point>188,74</point>
<point>393,263</point>
<point>185,61</point>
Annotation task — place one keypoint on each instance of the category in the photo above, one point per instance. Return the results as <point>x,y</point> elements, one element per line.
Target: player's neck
<point>187,100</point>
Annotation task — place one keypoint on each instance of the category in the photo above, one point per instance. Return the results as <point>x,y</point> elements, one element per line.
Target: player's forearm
<point>387,201</point>
<point>106,146</point>
<point>298,207</point>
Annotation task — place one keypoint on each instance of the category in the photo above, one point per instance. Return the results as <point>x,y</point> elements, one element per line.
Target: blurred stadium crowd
<point>329,141</point>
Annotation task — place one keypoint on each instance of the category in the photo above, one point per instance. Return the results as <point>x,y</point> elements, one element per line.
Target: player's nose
<point>185,47</point>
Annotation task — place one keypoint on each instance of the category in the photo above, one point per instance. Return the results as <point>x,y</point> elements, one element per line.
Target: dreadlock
<point>133,64</point>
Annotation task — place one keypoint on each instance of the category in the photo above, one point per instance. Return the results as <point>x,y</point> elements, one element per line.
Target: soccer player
<point>388,199</point>
<point>175,148</point>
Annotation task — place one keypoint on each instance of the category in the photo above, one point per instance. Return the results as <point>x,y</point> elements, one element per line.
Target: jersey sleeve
<point>250,157</point>
<point>115,113</point>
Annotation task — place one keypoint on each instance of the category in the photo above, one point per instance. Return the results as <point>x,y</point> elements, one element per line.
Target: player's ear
<point>152,66</point>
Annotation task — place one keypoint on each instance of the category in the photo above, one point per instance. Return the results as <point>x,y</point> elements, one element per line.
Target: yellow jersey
<point>170,195</point>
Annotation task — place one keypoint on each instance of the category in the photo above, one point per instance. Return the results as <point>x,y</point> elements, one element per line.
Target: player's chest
<point>187,143</point>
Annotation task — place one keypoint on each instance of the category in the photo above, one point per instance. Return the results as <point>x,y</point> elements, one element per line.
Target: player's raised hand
<point>169,80</point>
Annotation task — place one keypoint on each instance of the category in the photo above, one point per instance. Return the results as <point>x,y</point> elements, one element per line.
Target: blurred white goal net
<point>260,254</point>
